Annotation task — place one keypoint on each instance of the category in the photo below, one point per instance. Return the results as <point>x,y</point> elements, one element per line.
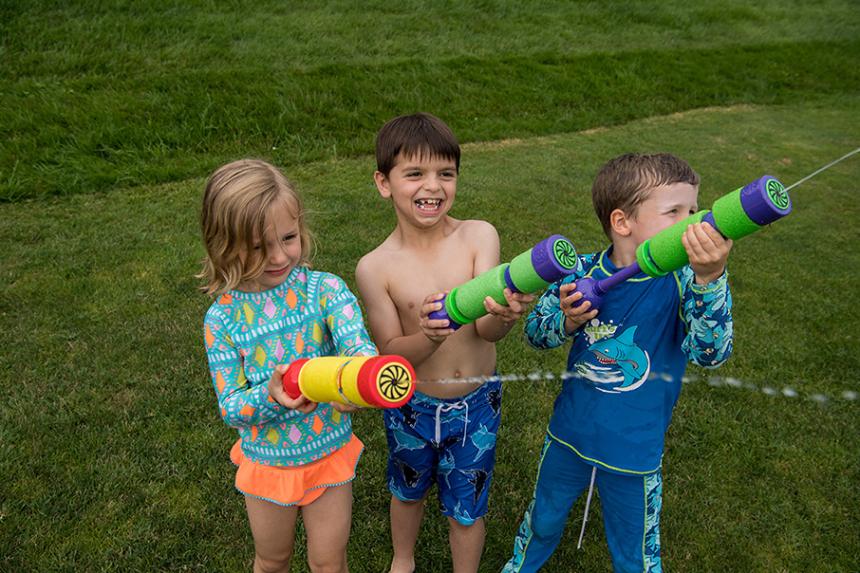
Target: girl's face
<point>284,247</point>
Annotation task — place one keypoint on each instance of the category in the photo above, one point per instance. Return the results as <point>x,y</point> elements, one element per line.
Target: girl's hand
<point>575,314</point>
<point>437,330</point>
<point>517,303</point>
<point>276,391</point>
<point>343,408</point>
<point>708,251</point>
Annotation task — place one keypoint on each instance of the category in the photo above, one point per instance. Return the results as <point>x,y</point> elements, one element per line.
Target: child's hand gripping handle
<point>362,381</point>
<point>530,271</point>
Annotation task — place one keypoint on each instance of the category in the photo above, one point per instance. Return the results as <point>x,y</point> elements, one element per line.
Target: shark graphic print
<point>615,364</point>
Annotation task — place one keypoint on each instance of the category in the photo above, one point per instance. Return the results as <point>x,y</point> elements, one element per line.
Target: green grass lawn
<point>112,453</point>
<point>109,95</point>
<point>114,457</point>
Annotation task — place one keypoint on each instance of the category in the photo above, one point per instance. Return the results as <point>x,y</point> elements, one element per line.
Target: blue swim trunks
<point>448,441</point>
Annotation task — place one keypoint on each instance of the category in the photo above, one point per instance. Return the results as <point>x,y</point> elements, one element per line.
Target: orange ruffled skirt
<point>298,485</point>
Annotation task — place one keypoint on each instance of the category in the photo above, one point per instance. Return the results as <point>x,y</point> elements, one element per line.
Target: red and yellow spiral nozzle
<point>366,381</point>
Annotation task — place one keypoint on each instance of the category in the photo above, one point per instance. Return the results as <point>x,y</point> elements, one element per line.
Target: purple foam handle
<point>442,314</point>
<point>593,290</point>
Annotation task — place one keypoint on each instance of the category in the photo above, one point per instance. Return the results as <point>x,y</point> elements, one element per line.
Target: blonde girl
<point>269,309</point>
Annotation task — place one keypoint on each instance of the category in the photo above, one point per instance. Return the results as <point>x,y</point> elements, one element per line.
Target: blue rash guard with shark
<point>625,366</point>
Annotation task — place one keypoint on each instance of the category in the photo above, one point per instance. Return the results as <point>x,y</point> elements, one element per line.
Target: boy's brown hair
<point>415,135</point>
<point>625,182</point>
<point>235,206</point>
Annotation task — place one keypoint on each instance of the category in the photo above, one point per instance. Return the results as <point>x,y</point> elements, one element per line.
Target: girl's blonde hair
<point>237,198</point>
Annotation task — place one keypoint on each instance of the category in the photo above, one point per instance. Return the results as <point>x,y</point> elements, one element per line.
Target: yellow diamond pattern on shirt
<point>249,313</point>
<point>260,356</point>
<point>272,436</point>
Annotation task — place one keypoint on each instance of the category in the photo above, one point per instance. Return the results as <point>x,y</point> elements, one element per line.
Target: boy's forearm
<point>545,324</point>
<point>492,328</point>
<point>708,314</point>
<point>546,331</point>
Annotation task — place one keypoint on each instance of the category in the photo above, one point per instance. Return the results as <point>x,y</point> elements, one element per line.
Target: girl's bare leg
<point>328,520</point>
<point>274,528</point>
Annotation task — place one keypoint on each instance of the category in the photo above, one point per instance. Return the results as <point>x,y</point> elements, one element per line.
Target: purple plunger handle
<point>593,290</point>
<point>442,314</point>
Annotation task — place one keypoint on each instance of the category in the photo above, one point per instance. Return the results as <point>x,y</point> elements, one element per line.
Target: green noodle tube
<point>664,252</point>
<point>730,217</point>
<point>524,275</point>
<point>469,298</point>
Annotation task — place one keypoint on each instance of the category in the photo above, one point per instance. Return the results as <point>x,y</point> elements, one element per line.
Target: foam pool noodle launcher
<point>530,271</point>
<point>386,381</point>
<point>734,215</point>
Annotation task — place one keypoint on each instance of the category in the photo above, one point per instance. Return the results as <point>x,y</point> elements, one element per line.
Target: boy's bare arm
<point>384,318</point>
<point>500,318</point>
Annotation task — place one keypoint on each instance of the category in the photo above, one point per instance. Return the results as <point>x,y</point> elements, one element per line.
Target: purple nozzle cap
<point>554,258</point>
<point>442,314</point>
<point>765,200</point>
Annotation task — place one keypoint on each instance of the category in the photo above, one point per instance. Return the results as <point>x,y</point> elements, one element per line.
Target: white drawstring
<point>587,505</point>
<point>443,407</point>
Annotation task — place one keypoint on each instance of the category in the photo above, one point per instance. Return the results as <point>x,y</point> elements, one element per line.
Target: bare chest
<point>415,279</point>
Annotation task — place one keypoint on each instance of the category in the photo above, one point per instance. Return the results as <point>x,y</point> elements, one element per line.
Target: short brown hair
<point>418,134</point>
<point>237,198</point>
<point>625,182</point>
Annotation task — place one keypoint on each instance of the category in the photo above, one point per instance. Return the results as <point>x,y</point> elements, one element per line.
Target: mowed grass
<point>107,95</point>
<point>113,456</point>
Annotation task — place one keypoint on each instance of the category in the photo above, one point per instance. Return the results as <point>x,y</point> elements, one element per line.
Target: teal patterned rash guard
<point>247,335</point>
<point>625,366</point>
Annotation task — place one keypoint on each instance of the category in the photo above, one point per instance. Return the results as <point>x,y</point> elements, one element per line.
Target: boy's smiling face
<point>665,206</point>
<point>422,188</point>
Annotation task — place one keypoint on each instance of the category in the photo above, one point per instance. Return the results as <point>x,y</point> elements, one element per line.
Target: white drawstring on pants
<point>443,407</point>
<point>587,505</point>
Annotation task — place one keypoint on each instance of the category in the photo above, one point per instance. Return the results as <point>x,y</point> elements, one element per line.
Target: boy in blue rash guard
<point>626,363</point>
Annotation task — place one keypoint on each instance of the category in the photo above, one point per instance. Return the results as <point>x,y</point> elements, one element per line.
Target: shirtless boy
<point>446,434</point>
